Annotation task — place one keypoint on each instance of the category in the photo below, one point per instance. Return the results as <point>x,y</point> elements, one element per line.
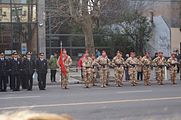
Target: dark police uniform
<point>15,74</point>
<point>41,67</point>
<point>22,75</point>
<point>3,74</point>
<point>29,66</point>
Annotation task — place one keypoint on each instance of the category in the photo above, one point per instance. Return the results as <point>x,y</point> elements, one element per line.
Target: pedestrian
<point>139,68</point>
<point>29,69</point>
<point>15,72</point>
<point>147,64</point>
<point>160,63</point>
<point>98,53</point>
<point>87,70</point>
<point>118,64</point>
<point>173,62</point>
<point>132,62</point>
<point>104,63</point>
<point>3,72</point>
<point>41,67</point>
<point>64,62</point>
<point>53,67</point>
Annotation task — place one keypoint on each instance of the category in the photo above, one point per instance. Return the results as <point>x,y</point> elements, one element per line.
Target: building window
<point>4,1</point>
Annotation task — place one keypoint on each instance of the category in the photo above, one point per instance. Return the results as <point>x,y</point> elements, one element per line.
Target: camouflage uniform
<point>118,64</point>
<point>146,61</point>
<point>94,72</point>
<point>160,65</point>
<point>172,62</point>
<point>87,71</point>
<point>67,61</point>
<point>103,63</point>
<point>132,62</point>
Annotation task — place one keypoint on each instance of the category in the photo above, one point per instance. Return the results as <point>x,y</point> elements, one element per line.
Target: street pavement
<point>112,103</point>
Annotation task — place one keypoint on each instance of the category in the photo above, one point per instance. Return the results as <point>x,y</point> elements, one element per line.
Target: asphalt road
<point>112,103</point>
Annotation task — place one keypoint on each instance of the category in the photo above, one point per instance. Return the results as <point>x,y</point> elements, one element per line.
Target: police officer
<point>15,66</point>
<point>41,67</point>
<point>22,72</point>
<point>29,67</point>
<point>3,73</point>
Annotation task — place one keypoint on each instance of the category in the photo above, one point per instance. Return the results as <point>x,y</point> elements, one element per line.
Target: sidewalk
<point>75,77</point>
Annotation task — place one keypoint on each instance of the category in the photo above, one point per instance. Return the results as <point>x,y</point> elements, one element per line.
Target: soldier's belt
<point>133,65</point>
<point>88,67</point>
<point>103,65</point>
<point>119,65</point>
<point>173,65</point>
<point>147,65</point>
<point>161,66</point>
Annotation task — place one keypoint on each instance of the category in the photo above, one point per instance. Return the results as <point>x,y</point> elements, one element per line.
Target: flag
<point>63,69</point>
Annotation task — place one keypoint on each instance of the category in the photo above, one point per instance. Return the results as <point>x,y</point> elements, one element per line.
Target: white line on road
<point>24,97</point>
<point>137,91</point>
<point>91,103</point>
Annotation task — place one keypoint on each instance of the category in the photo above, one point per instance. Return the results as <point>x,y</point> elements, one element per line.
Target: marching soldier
<point>160,63</point>
<point>41,67</point>
<point>15,67</point>
<point>29,68</point>
<point>172,62</point>
<point>67,61</point>
<point>146,61</point>
<point>118,64</point>
<point>87,70</point>
<point>103,62</point>
<point>3,72</point>
<point>132,62</point>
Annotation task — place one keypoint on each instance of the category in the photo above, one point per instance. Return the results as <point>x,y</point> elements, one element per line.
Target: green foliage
<point>138,30</point>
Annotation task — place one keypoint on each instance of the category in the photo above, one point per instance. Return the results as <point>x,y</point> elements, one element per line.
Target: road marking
<point>90,103</point>
<point>138,91</point>
<point>25,97</point>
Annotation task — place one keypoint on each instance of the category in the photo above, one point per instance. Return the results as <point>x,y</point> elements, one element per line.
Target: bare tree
<point>85,13</point>
<point>88,14</point>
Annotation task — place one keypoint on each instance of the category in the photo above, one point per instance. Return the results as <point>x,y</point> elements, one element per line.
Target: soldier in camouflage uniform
<point>146,61</point>
<point>67,61</point>
<point>173,62</point>
<point>87,70</point>
<point>118,64</point>
<point>160,63</point>
<point>132,62</point>
<point>103,62</point>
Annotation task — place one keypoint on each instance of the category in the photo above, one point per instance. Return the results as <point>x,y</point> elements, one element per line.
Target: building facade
<point>18,26</point>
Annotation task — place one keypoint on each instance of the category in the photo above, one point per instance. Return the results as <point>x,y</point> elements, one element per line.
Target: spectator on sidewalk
<point>53,67</point>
